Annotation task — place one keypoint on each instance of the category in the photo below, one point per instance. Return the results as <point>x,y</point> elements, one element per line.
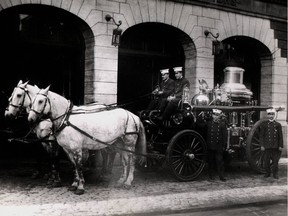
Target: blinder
<point>41,113</point>
<point>22,103</point>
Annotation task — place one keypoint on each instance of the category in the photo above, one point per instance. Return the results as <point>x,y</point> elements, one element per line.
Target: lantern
<point>116,35</point>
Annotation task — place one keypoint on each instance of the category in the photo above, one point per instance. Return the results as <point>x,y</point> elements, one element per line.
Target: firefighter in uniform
<point>271,141</point>
<point>166,88</point>
<point>216,144</point>
<point>168,106</point>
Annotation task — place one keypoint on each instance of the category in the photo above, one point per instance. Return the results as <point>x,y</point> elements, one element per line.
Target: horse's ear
<point>46,90</point>
<point>25,83</point>
<point>19,83</point>
<point>37,87</point>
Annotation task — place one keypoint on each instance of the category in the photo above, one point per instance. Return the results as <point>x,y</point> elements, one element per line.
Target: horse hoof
<point>72,188</point>
<point>79,191</point>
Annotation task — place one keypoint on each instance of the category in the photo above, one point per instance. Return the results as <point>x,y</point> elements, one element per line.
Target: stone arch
<point>273,66</point>
<point>141,39</point>
<point>255,58</point>
<point>231,24</point>
<point>181,16</point>
<point>78,14</point>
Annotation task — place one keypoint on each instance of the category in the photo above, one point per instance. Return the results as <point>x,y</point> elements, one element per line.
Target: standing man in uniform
<point>166,88</point>
<point>216,144</point>
<point>168,106</point>
<point>271,141</point>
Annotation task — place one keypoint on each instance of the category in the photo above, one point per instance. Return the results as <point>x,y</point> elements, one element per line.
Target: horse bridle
<point>20,107</point>
<point>41,113</point>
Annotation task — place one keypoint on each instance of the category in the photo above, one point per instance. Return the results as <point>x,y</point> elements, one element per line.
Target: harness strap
<point>136,128</point>
<point>67,123</point>
<point>24,139</point>
<point>65,119</point>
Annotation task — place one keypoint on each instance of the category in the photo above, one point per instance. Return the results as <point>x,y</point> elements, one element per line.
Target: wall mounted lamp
<point>116,36</point>
<point>217,46</point>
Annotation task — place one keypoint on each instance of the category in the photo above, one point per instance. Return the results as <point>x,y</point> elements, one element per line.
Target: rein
<point>24,139</point>
<point>131,101</point>
<point>65,122</point>
<point>158,156</point>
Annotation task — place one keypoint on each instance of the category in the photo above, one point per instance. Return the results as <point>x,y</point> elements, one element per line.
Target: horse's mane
<point>57,96</point>
<point>32,88</point>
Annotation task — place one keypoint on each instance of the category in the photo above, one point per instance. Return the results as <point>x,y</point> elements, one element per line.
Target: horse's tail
<point>141,145</point>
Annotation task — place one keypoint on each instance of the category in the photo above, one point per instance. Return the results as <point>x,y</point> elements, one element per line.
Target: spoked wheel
<point>254,154</point>
<point>186,155</point>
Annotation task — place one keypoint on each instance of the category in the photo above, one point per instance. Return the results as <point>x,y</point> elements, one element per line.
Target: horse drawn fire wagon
<point>181,139</point>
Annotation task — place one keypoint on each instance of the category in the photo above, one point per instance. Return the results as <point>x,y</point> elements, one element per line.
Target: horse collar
<point>65,121</point>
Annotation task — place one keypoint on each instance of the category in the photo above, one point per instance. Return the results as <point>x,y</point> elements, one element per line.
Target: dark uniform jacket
<point>167,87</point>
<point>179,86</point>
<point>271,134</point>
<point>216,135</point>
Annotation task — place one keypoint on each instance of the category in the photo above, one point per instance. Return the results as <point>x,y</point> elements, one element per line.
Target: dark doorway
<point>242,52</point>
<point>144,50</point>
<point>43,45</point>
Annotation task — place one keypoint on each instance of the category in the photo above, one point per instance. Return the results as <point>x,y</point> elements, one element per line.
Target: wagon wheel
<point>186,155</point>
<point>254,154</point>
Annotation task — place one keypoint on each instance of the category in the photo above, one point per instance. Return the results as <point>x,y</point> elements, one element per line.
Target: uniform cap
<point>177,69</point>
<point>217,111</point>
<point>271,110</point>
<point>164,71</point>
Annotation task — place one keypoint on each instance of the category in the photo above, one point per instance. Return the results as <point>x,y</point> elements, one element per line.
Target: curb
<point>160,203</point>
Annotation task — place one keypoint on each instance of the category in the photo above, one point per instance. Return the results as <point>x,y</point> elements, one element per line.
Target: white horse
<point>21,100</point>
<point>92,130</point>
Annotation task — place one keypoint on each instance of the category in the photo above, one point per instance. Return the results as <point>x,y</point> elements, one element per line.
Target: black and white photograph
<point>143,108</point>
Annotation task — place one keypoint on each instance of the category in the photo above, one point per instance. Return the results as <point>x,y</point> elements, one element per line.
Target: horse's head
<point>40,106</point>
<point>18,101</point>
<point>44,128</point>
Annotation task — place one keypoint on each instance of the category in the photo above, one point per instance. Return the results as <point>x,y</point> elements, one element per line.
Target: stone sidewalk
<point>152,192</point>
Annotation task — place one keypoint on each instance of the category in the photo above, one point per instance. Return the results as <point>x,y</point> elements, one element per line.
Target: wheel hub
<point>190,155</point>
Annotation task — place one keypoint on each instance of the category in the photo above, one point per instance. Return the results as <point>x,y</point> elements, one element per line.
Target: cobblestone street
<point>151,192</point>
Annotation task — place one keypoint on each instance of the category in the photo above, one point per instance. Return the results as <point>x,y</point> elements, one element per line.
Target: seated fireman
<point>166,88</point>
<point>168,106</point>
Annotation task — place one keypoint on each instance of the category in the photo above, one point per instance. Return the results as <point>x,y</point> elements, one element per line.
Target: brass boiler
<point>233,85</point>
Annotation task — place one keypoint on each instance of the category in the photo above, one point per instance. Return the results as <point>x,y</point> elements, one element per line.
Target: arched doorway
<point>44,45</point>
<point>144,50</point>
<point>244,52</point>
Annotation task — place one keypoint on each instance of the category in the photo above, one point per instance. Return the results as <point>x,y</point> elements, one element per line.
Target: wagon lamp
<point>217,46</point>
<point>116,32</point>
